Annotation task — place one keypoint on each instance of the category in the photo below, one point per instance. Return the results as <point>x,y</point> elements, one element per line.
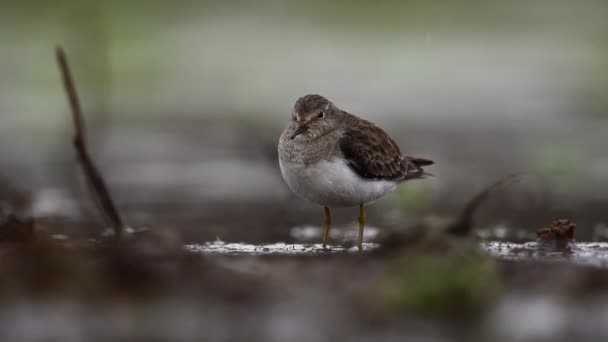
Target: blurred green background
<point>185,102</point>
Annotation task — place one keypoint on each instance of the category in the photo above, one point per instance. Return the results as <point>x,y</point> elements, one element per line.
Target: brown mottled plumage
<point>336,159</point>
<point>374,155</point>
<point>367,148</point>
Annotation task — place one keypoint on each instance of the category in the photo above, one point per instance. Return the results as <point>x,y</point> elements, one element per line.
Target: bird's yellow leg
<point>361,225</point>
<point>327,226</point>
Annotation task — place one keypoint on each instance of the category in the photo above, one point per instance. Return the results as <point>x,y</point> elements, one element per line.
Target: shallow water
<point>342,240</point>
<point>280,248</point>
<point>585,253</point>
<point>582,253</point>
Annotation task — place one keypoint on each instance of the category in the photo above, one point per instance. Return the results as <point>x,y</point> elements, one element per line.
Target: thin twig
<point>464,224</point>
<point>91,173</point>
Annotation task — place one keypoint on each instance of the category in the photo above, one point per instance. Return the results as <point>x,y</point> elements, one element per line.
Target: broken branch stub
<point>93,176</point>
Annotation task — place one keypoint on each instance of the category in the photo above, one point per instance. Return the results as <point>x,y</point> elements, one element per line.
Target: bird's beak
<point>298,131</point>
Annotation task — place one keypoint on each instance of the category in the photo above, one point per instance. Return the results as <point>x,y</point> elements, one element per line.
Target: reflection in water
<point>584,253</point>
<point>350,233</point>
<point>343,240</point>
<point>279,248</point>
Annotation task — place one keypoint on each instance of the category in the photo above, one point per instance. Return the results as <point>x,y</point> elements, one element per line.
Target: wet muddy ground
<point>578,253</point>
<point>156,287</point>
<point>584,254</point>
<point>235,265</point>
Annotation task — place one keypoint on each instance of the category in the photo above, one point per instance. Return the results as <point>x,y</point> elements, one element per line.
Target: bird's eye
<point>321,115</point>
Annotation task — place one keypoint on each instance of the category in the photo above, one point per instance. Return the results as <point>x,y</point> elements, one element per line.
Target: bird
<point>337,160</point>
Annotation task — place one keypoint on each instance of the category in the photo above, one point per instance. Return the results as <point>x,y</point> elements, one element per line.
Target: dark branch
<point>464,224</point>
<point>92,174</point>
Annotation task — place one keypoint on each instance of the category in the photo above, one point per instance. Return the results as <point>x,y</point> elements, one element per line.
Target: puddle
<point>348,233</point>
<point>280,248</point>
<point>583,253</point>
<point>306,237</point>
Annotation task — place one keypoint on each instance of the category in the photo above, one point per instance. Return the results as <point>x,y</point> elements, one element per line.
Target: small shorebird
<point>336,159</point>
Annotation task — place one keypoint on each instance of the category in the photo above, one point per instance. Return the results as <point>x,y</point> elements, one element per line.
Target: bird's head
<point>312,116</point>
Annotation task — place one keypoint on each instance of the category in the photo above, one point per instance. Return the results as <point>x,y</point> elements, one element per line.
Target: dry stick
<point>464,224</point>
<point>91,173</point>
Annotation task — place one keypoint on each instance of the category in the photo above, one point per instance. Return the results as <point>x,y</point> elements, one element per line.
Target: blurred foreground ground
<point>185,103</point>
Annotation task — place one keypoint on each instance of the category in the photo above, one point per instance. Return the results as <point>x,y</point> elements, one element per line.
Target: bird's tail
<point>416,165</point>
<point>419,161</point>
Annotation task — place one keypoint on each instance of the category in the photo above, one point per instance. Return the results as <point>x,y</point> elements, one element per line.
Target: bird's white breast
<point>332,183</point>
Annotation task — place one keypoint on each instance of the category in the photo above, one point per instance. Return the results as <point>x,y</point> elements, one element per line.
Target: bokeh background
<point>185,102</point>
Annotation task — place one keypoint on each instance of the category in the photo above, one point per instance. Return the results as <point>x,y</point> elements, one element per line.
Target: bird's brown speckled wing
<point>372,154</point>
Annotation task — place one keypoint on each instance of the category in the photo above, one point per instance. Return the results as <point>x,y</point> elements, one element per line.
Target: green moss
<point>443,286</point>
